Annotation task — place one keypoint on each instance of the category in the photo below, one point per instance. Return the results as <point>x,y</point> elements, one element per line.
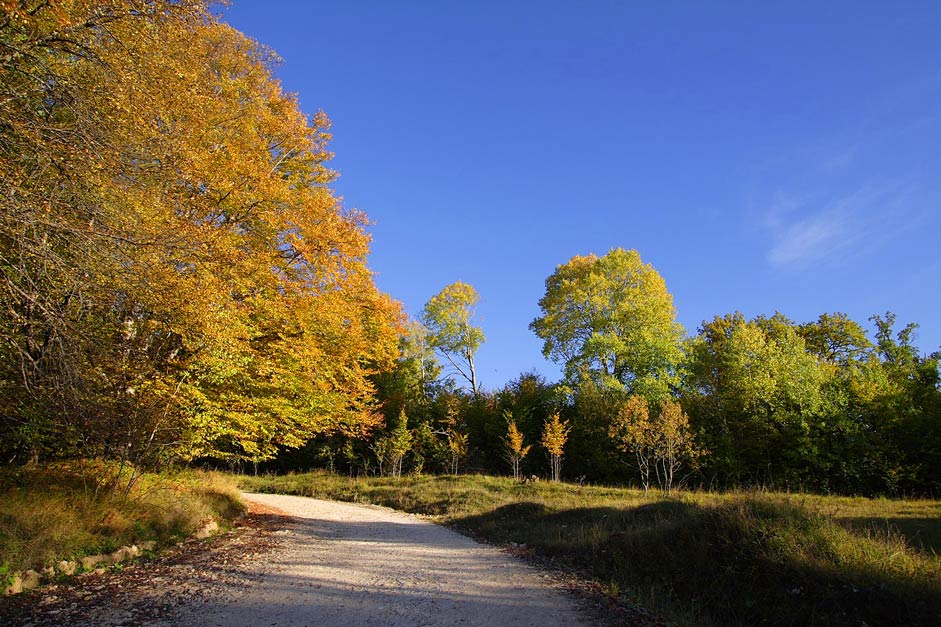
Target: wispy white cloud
<point>856,189</point>
<point>810,239</point>
<point>807,230</point>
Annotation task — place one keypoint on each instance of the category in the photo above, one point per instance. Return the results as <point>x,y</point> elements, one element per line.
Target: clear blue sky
<point>762,156</point>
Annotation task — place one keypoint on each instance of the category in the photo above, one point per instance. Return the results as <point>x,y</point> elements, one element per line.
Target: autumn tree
<point>448,317</point>
<point>634,434</point>
<point>674,444</point>
<point>516,450</point>
<point>611,318</point>
<point>178,279</point>
<point>662,444</point>
<point>554,435</point>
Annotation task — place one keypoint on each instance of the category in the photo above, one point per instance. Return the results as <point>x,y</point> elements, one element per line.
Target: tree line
<point>767,401</point>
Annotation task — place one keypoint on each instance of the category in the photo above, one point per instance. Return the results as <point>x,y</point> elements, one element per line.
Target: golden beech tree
<point>177,274</point>
<point>633,433</point>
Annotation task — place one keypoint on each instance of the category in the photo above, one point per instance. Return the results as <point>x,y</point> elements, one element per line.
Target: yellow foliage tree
<point>515,449</point>
<point>663,444</point>
<point>178,274</point>
<point>633,434</point>
<point>554,436</point>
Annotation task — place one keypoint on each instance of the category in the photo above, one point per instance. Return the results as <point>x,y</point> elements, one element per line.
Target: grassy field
<point>67,510</point>
<point>695,558</point>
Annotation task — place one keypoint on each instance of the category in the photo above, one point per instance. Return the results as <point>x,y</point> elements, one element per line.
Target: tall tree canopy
<point>175,273</point>
<point>449,319</point>
<point>612,318</point>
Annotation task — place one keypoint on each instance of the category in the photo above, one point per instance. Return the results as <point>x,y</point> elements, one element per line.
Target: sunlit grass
<point>68,510</point>
<point>697,557</point>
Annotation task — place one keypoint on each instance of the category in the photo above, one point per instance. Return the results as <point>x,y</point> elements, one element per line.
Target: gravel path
<point>295,562</point>
<point>343,564</point>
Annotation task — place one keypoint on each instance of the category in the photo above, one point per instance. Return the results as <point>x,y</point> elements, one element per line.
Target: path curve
<point>352,565</point>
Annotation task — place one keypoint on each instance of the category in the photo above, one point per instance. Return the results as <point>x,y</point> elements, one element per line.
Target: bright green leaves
<point>611,318</point>
<point>755,367</point>
<point>448,317</point>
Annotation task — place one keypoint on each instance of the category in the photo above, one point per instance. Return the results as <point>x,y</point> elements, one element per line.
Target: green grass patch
<point>68,510</point>
<point>697,558</point>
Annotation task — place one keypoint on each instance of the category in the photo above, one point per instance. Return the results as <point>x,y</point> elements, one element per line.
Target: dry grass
<point>698,558</point>
<point>68,510</point>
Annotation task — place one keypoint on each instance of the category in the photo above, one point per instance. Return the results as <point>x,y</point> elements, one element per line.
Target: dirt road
<point>344,564</point>
<point>321,564</point>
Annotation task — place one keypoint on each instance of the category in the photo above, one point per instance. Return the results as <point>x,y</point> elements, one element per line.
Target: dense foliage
<point>176,277</point>
<point>770,402</point>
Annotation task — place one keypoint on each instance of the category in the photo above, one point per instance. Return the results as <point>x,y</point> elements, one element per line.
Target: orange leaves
<point>188,199</point>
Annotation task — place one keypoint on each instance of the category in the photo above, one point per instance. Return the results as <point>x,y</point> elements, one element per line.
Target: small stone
<point>67,567</point>
<point>90,561</point>
<point>31,579</point>
<point>119,556</point>
<point>16,586</point>
<point>207,530</point>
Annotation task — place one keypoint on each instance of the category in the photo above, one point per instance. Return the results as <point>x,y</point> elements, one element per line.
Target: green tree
<point>391,448</point>
<point>411,382</point>
<point>755,394</point>
<point>448,317</point>
<point>456,436</point>
<point>906,407</point>
<point>836,338</point>
<point>611,318</point>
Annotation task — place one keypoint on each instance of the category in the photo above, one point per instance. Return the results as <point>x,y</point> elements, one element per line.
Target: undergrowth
<point>697,558</point>
<point>72,509</point>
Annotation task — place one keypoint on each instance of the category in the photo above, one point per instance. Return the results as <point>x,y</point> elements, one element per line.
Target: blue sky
<point>762,156</point>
